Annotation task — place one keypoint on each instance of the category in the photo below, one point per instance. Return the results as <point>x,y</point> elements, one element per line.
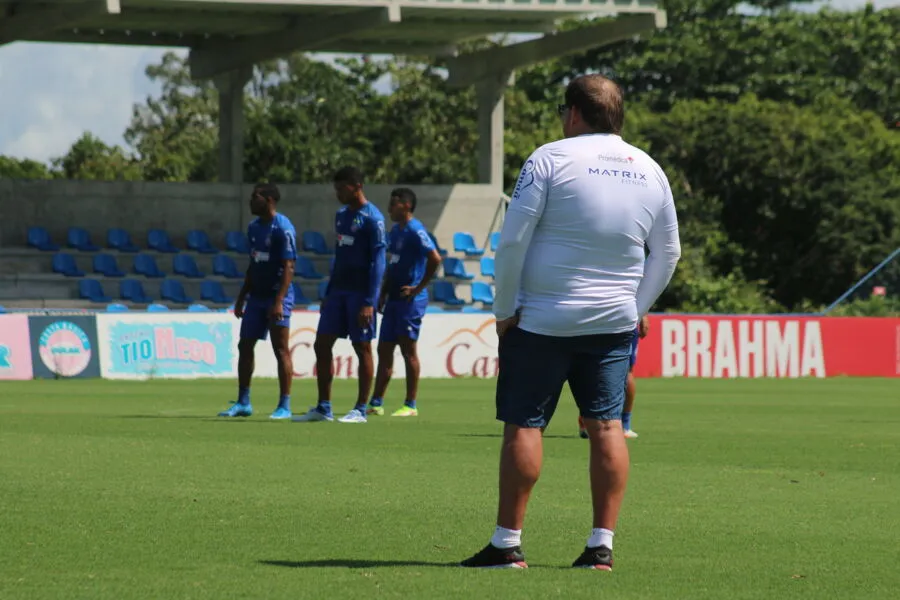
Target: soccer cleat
<point>630,434</point>
<point>281,413</point>
<point>599,558</point>
<point>354,416</point>
<point>492,557</point>
<point>405,411</point>
<point>237,410</point>
<point>378,411</point>
<point>313,415</point>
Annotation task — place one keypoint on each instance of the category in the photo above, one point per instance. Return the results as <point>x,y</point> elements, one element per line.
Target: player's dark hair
<point>600,102</point>
<point>350,175</point>
<point>406,196</point>
<point>268,190</point>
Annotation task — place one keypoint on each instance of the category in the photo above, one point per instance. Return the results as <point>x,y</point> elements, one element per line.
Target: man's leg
<point>332,325</point>
<point>383,376</point>
<point>630,393</point>
<point>253,327</point>
<point>281,336</point>
<point>361,337</point>
<point>410,353</point>
<point>597,381</point>
<point>533,369</point>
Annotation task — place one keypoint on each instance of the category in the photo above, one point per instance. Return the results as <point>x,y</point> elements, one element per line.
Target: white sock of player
<point>506,538</point>
<point>600,537</point>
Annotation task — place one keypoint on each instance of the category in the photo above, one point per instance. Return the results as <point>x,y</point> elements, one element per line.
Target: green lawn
<point>739,489</point>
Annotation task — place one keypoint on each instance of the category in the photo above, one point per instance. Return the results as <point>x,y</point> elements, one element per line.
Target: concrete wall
<point>217,208</point>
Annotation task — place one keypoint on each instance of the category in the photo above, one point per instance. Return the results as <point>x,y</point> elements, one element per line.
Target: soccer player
<point>640,333</point>
<point>404,298</point>
<point>349,305</point>
<point>581,213</point>
<point>266,298</point>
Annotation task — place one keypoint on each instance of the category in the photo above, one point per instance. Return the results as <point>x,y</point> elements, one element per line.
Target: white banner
<point>450,345</point>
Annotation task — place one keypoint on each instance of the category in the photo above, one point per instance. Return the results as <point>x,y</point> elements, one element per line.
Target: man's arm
<point>288,257</point>
<point>433,261</point>
<point>524,213</point>
<point>377,267</point>
<point>665,250</point>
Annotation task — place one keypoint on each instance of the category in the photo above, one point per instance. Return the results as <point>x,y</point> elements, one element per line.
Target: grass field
<point>739,489</point>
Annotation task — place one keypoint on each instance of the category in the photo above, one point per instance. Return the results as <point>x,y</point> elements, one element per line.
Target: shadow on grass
<point>209,418</point>
<point>500,435</point>
<point>351,563</point>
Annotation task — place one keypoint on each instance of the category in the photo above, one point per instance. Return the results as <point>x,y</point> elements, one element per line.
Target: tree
<point>90,158</point>
<point>16,168</point>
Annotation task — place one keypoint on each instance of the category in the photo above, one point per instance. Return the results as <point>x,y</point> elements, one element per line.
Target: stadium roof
<point>228,34</point>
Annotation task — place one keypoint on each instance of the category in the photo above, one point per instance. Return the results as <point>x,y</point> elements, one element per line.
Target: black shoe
<point>492,557</point>
<point>595,558</point>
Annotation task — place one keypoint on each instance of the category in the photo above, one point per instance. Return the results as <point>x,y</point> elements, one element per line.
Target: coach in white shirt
<point>572,282</point>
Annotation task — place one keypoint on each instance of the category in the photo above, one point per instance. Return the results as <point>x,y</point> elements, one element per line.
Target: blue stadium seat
<point>2,310</point>
<point>65,263</point>
<point>440,250</point>
<point>157,308</point>
<point>116,307</point>
<point>495,240</point>
<point>174,291</point>
<point>453,267</point>
<point>90,289</point>
<point>131,289</point>
<point>305,269</point>
<point>464,242</point>
<point>433,309</point>
<point>105,264</point>
<point>184,264</point>
<point>444,291</point>
<point>198,308</point>
<point>40,239</point>
<point>487,266</point>
<point>299,297</point>
<point>198,241</point>
<point>158,240</point>
<point>119,239</point>
<point>482,292</point>
<point>145,265</point>
<point>80,239</point>
<point>323,285</point>
<point>236,241</point>
<point>224,265</point>
<point>212,291</point>
<point>313,241</point>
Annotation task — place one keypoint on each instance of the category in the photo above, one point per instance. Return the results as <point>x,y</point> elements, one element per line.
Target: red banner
<point>757,346</point>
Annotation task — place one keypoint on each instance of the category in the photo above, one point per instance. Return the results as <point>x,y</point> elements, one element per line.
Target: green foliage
<point>91,159</point>
<point>15,168</point>
<point>873,306</point>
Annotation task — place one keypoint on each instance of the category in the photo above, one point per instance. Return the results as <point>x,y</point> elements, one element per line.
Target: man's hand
<point>276,312</point>
<point>239,308</point>
<point>382,300</point>
<point>366,314</point>
<point>409,292</point>
<point>643,327</point>
<point>507,324</point>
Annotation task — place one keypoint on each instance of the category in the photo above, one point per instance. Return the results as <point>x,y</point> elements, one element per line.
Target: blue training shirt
<point>359,252</point>
<point>271,243</point>
<point>409,246</point>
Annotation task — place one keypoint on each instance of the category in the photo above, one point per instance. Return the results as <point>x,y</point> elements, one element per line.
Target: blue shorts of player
<point>403,319</point>
<point>339,316</point>
<point>255,324</point>
<point>533,369</point>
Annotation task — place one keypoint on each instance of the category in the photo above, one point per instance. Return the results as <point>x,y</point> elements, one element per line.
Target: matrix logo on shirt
<point>625,177</point>
<point>258,256</point>
<point>345,240</point>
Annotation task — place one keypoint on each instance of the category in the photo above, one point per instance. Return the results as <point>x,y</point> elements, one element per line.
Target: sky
<point>52,93</point>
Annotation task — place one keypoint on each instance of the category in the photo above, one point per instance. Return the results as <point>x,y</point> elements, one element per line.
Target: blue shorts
<point>533,369</point>
<point>339,316</point>
<point>255,324</point>
<point>634,346</point>
<point>403,319</point>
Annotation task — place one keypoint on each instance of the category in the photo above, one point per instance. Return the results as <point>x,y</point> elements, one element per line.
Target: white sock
<point>506,538</point>
<point>600,537</point>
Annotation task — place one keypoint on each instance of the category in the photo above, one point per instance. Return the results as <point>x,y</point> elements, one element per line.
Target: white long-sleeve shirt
<point>571,251</point>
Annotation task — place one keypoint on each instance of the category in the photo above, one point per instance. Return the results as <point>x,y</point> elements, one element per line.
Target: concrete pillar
<point>489,93</point>
<point>231,124</point>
